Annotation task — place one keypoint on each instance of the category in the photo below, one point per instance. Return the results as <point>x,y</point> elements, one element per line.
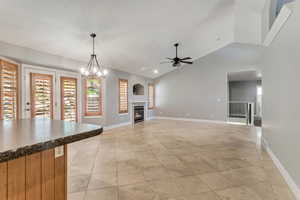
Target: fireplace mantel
<point>139,102</point>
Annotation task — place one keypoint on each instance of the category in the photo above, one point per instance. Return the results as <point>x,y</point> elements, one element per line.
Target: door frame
<point>56,74</point>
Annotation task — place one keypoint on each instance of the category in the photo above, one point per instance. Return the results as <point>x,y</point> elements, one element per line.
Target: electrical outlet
<point>59,151</point>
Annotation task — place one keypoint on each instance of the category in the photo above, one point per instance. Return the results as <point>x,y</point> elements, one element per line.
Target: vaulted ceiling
<point>132,35</point>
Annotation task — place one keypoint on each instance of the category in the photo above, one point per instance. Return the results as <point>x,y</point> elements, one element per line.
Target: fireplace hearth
<point>138,114</point>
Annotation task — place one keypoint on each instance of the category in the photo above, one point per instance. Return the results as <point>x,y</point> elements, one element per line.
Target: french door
<point>50,94</point>
<point>38,94</point>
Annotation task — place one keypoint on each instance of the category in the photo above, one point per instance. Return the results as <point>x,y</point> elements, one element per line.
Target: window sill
<point>121,114</point>
<point>92,117</point>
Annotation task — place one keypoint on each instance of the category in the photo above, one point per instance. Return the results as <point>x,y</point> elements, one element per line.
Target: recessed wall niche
<point>138,89</point>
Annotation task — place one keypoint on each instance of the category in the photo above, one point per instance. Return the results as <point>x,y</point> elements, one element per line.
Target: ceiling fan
<point>177,61</point>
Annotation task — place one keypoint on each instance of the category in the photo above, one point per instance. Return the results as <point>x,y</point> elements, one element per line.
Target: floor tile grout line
<point>90,175</point>
<point>176,155</point>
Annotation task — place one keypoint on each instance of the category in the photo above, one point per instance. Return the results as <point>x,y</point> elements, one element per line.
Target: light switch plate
<point>59,151</point>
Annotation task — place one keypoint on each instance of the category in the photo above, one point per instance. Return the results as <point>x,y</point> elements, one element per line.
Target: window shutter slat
<point>42,96</point>
<point>93,99</point>
<point>123,96</point>
<point>8,90</point>
<point>151,96</point>
<point>68,99</point>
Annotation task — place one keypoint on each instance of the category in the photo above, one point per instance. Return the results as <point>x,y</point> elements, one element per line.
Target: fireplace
<point>138,114</point>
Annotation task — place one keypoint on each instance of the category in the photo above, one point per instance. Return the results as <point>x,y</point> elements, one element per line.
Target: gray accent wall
<point>243,91</point>
<point>281,94</point>
<point>25,55</point>
<point>111,114</point>
<point>200,90</point>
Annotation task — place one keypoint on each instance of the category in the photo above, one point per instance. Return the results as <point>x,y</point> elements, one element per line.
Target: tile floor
<point>174,160</point>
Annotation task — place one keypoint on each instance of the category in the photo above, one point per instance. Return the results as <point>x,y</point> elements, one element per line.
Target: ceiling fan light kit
<point>93,69</point>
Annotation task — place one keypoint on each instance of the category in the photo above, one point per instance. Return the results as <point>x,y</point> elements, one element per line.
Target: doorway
<point>245,98</point>
<point>50,94</point>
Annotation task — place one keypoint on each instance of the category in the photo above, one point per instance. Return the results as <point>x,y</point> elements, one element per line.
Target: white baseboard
<point>116,126</point>
<point>288,179</point>
<point>150,118</point>
<point>122,124</point>
<point>191,120</point>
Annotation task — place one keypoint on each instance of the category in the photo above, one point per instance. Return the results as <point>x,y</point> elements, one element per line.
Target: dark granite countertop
<point>23,137</point>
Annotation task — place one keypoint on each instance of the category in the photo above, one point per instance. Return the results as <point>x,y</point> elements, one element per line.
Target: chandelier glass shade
<point>93,67</point>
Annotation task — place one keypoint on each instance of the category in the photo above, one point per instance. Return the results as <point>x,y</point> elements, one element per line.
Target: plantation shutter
<point>8,90</point>
<point>151,91</point>
<point>93,99</point>
<point>68,99</point>
<point>123,96</point>
<point>41,96</point>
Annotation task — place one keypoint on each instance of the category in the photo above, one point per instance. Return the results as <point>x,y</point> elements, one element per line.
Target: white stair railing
<point>241,110</point>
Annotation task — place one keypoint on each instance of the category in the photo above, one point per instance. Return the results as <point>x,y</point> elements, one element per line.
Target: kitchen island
<point>33,157</point>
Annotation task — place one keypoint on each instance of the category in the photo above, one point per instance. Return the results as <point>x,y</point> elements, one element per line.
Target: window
<point>151,96</point>
<point>68,99</point>
<point>8,90</point>
<point>93,99</point>
<point>123,96</point>
<point>41,95</point>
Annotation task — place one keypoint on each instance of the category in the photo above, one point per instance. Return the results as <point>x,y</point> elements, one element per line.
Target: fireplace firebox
<point>138,114</point>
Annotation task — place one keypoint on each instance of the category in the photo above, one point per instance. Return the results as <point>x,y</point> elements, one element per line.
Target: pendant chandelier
<point>93,68</point>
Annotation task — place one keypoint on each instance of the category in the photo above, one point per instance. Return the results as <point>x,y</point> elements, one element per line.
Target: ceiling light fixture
<point>155,71</point>
<point>93,68</point>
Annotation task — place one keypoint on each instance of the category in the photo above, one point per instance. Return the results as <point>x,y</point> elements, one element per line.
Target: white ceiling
<point>132,35</point>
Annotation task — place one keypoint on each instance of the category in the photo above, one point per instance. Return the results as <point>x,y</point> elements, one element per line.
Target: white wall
<point>265,19</point>
<point>247,26</point>
<point>250,21</point>
<point>281,96</point>
<point>200,90</point>
<point>272,10</point>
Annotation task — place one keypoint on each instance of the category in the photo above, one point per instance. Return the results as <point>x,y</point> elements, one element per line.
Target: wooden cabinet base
<point>39,176</point>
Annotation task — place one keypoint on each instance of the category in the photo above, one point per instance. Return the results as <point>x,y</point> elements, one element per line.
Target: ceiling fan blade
<point>170,58</point>
<point>187,62</point>
<point>186,58</point>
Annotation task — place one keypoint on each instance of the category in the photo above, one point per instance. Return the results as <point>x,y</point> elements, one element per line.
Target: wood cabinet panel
<point>33,177</point>
<point>48,175</point>
<point>16,179</point>
<point>61,176</point>
<point>38,176</point>
<point>3,181</point>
